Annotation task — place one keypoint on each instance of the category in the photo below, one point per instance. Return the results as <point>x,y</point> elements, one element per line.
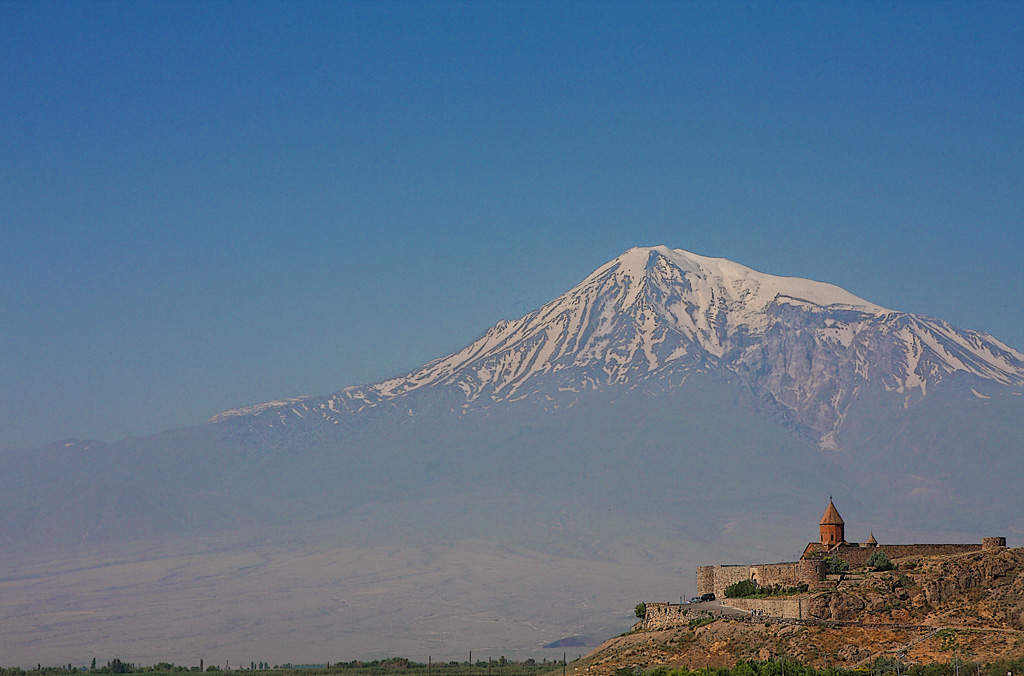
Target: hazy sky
<point>211,204</point>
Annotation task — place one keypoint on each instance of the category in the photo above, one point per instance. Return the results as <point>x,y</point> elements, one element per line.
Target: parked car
<point>707,597</point>
<point>695,599</point>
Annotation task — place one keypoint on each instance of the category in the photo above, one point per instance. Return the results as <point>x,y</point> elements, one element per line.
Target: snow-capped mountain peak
<point>640,312</point>
<point>654,312</point>
<point>740,286</point>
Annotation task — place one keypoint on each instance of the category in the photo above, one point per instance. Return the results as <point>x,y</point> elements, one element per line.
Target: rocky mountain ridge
<point>654,316</point>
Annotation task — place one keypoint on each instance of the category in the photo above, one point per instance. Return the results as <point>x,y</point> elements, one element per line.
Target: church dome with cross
<point>832,526</point>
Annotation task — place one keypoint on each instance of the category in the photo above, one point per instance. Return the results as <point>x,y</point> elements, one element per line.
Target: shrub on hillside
<point>879,561</point>
<point>700,622</point>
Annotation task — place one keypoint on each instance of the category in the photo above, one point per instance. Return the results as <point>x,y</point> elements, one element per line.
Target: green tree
<point>879,561</point>
<point>835,565</point>
<point>640,610</point>
<point>741,589</point>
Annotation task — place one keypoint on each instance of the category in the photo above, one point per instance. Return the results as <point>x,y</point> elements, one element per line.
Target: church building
<point>811,567</point>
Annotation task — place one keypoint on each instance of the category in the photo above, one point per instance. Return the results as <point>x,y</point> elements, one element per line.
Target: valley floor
<point>313,599</point>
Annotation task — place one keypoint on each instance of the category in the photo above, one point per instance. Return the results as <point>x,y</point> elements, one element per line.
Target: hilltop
<point>930,609</point>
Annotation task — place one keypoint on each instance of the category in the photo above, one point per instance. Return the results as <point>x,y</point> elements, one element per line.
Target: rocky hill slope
<point>940,608</point>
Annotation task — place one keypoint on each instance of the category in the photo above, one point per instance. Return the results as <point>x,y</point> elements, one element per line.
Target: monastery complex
<point>811,568</point>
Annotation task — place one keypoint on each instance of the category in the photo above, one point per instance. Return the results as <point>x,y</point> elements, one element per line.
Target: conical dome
<point>831,516</point>
<point>832,526</point>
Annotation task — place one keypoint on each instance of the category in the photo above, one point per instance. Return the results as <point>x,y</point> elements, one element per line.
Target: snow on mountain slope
<point>639,312</point>
<point>808,346</point>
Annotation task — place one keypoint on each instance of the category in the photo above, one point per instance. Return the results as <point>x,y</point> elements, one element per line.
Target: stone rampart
<point>663,616</point>
<point>788,607</point>
<point>669,616</point>
<point>783,574</point>
<point>812,570</point>
<point>705,579</point>
<point>858,557</point>
<point>714,579</point>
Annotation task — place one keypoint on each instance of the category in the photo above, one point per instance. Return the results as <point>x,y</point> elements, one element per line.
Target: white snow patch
<point>255,408</point>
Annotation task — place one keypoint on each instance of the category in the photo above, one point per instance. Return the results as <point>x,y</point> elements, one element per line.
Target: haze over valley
<point>669,410</point>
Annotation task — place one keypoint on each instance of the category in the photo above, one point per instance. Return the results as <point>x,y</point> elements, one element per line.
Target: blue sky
<point>211,204</point>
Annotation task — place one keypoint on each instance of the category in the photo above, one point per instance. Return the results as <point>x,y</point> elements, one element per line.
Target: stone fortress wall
<point>714,579</point>
<point>672,615</point>
<point>858,557</point>
<point>664,616</point>
<point>788,574</point>
<point>810,569</point>
<point>787,607</point>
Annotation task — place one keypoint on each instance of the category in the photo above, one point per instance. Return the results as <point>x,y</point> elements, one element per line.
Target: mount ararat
<point>671,409</point>
<point>656,314</point>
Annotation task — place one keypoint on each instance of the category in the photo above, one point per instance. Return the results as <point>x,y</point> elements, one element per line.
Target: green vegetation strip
<point>403,667</point>
<point>396,666</point>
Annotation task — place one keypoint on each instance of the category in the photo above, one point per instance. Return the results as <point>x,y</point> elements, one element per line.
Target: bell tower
<point>832,526</point>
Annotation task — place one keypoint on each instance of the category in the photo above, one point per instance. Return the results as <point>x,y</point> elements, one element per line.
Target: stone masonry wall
<point>790,607</point>
<point>715,579</point>
<point>784,574</point>
<point>858,556</point>
<point>670,615</point>
<point>705,579</point>
<point>665,616</point>
<point>812,570</point>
